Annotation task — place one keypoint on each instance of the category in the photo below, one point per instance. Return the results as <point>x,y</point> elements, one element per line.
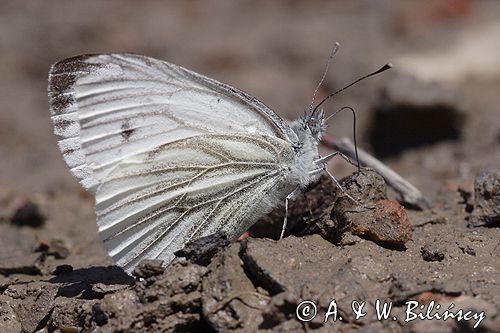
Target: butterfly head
<point>314,123</point>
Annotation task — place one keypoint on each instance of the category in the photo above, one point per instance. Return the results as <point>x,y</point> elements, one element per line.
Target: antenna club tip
<point>383,69</point>
<point>386,67</point>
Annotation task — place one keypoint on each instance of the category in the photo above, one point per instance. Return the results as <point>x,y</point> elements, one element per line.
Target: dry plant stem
<point>238,296</point>
<point>409,193</point>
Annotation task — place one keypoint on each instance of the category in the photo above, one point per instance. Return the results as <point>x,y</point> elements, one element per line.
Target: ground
<point>433,119</point>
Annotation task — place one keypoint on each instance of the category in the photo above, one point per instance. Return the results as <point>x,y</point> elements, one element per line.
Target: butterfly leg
<point>326,158</point>
<point>288,197</point>
<point>322,162</point>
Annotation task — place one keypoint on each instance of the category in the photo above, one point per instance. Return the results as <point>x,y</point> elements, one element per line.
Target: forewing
<point>156,201</point>
<point>111,107</point>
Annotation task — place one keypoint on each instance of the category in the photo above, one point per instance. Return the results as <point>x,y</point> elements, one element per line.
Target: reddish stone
<point>387,222</point>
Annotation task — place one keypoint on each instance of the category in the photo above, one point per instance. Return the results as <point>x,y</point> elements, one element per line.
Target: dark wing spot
<point>61,83</point>
<point>59,103</point>
<point>62,124</point>
<point>69,151</point>
<point>126,130</point>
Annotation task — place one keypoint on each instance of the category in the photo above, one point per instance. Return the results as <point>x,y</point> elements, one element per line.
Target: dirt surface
<point>434,118</point>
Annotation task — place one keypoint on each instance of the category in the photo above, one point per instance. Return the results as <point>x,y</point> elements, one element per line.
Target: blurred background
<point>434,113</point>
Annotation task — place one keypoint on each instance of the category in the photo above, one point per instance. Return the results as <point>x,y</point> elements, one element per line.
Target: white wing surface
<point>169,154</point>
<point>111,106</point>
<point>153,203</point>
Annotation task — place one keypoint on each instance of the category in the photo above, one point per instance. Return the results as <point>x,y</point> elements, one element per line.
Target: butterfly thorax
<point>309,130</point>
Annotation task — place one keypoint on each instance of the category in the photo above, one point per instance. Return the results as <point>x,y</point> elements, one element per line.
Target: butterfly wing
<point>169,154</point>
<point>107,107</point>
<point>153,203</point>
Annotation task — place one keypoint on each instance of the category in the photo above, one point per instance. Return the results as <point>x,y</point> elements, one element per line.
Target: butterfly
<point>171,155</point>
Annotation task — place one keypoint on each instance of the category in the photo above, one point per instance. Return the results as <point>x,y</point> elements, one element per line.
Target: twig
<point>408,193</point>
<point>238,295</point>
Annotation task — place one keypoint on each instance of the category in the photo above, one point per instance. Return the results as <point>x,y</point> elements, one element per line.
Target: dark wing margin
<point>62,77</point>
<point>62,105</point>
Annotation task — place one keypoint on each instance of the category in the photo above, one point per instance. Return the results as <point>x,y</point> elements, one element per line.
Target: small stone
<point>28,214</point>
<point>374,217</point>
<point>486,210</point>
<point>100,317</point>
<point>202,250</point>
<point>104,288</point>
<point>55,247</point>
<point>70,314</point>
<point>148,268</point>
<point>69,329</point>
<point>387,223</point>
<point>349,239</point>
<point>468,250</point>
<point>432,253</point>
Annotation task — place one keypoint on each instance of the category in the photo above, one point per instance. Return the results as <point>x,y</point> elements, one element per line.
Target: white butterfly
<point>172,155</point>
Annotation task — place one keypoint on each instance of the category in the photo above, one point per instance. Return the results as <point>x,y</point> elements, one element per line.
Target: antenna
<point>382,69</point>
<point>335,48</point>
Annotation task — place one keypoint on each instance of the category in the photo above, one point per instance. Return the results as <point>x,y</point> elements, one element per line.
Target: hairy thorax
<point>304,171</point>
